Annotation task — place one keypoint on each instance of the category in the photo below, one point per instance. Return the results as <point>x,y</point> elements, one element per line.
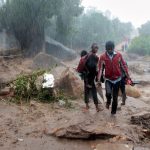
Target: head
<point>83,53</point>
<point>110,47</point>
<point>94,48</point>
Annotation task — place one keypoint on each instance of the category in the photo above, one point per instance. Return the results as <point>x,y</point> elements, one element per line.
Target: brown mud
<point>29,127</point>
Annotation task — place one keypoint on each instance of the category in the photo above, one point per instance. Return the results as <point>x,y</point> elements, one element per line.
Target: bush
<point>140,45</point>
<point>25,87</point>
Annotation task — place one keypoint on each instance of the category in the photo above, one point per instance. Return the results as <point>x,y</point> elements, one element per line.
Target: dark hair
<point>94,45</point>
<point>83,53</point>
<point>109,45</point>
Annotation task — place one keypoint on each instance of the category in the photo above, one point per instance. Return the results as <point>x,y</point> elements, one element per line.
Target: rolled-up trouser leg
<point>108,87</point>
<point>115,97</point>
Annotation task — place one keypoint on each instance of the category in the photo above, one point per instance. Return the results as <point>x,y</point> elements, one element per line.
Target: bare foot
<point>87,106</point>
<point>98,108</point>
<point>85,109</point>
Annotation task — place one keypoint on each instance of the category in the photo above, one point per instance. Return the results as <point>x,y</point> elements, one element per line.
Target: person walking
<point>112,61</point>
<point>123,86</point>
<point>90,62</point>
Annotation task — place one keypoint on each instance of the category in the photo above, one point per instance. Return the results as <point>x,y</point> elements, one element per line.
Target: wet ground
<point>28,127</point>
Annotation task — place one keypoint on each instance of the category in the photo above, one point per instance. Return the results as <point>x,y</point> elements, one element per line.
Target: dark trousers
<point>123,89</point>
<point>89,87</point>
<point>112,91</point>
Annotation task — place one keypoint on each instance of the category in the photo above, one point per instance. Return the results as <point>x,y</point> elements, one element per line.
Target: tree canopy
<point>145,29</point>
<point>93,26</point>
<point>141,45</point>
<point>63,20</point>
<point>27,19</point>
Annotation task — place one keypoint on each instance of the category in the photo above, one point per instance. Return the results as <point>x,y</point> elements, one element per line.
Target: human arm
<point>100,69</point>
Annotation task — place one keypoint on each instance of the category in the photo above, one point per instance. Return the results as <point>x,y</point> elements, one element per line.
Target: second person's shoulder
<point>103,55</point>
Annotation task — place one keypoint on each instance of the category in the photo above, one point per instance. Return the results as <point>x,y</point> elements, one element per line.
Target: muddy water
<point>27,128</point>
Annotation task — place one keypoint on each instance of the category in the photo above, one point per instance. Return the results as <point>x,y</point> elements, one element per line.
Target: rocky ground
<point>38,126</point>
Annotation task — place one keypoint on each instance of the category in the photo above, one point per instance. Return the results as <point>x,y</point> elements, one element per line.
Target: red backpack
<point>81,66</point>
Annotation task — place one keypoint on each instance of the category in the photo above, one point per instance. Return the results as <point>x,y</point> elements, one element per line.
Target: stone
<point>108,146</point>
<point>5,91</point>
<point>92,129</point>
<point>45,61</point>
<point>146,133</point>
<point>58,50</point>
<point>142,119</point>
<point>78,131</point>
<point>132,91</point>
<point>70,83</point>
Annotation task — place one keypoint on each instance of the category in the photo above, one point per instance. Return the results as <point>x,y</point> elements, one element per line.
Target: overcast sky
<point>135,11</point>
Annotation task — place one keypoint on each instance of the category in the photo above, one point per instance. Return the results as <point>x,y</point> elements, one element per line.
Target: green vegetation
<point>65,21</point>
<point>89,27</point>
<point>47,96</point>
<point>145,29</point>
<point>70,9</point>
<point>25,89</point>
<point>141,44</point>
<point>27,19</point>
<point>93,26</point>
<point>25,86</point>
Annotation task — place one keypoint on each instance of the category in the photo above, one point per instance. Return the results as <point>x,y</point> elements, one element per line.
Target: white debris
<point>20,140</point>
<point>48,81</point>
<point>62,103</point>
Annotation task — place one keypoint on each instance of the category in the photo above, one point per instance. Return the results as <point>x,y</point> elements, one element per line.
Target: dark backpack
<point>91,63</point>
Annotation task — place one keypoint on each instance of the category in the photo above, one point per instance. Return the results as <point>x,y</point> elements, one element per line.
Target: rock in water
<point>108,146</point>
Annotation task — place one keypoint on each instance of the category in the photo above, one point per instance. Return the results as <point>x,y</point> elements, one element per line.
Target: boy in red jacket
<point>112,62</point>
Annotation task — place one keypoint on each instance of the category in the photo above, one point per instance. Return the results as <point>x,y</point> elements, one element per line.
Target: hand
<point>129,81</point>
<point>99,83</point>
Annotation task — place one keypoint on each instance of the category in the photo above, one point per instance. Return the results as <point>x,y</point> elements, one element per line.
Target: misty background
<point>70,23</point>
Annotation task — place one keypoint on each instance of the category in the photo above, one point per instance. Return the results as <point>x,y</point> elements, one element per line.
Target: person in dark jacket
<point>112,62</point>
<point>91,74</point>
